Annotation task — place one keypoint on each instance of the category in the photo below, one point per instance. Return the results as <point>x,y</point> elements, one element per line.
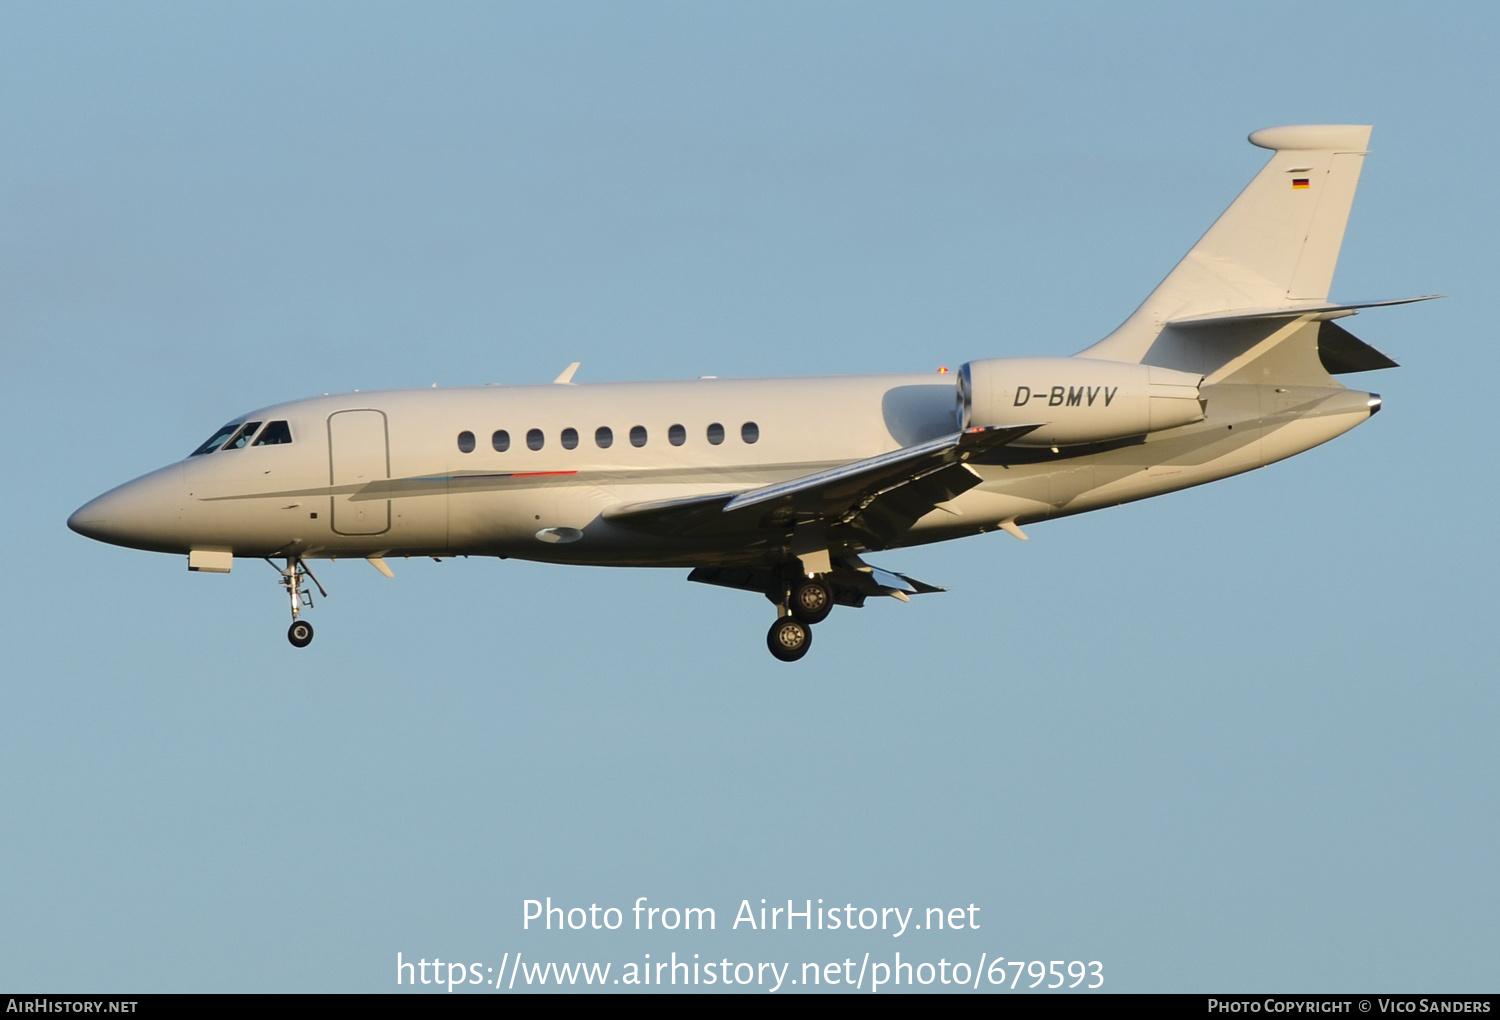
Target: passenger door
<point>358,454</point>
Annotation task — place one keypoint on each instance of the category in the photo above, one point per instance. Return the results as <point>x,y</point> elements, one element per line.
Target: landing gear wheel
<point>789,639</point>
<point>300,634</point>
<point>812,601</point>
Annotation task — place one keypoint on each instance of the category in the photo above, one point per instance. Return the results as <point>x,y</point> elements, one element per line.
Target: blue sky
<point>1240,737</point>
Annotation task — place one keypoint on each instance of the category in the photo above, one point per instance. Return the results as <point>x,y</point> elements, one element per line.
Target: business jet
<point>785,486</point>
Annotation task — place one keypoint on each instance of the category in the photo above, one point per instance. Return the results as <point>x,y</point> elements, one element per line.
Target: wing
<point>853,581</point>
<point>881,496</point>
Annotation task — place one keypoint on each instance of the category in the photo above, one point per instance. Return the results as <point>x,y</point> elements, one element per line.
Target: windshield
<point>217,440</point>
<point>242,436</point>
<point>275,434</point>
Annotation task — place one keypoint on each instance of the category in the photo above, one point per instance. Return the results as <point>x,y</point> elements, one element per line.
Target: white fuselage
<point>383,473</point>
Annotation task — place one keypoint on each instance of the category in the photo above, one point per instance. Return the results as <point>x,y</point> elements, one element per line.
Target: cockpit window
<point>275,434</point>
<point>217,440</point>
<point>242,437</point>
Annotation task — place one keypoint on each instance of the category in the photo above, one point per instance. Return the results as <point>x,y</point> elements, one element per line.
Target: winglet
<point>566,379</point>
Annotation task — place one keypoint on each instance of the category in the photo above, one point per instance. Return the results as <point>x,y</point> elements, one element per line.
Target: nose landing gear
<point>300,634</point>
<point>294,578</point>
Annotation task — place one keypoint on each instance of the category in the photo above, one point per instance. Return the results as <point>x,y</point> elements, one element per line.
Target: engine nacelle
<point>1078,400</point>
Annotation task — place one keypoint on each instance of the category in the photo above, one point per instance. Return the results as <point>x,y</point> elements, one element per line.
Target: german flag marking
<point>1300,182</point>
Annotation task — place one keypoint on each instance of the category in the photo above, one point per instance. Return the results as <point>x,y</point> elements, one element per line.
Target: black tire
<point>812,601</point>
<point>300,633</point>
<point>789,639</point>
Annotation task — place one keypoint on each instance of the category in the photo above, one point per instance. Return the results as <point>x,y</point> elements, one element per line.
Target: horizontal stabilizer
<point>1317,311</point>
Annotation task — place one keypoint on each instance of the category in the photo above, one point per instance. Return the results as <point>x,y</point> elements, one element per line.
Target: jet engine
<point>1077,400</point>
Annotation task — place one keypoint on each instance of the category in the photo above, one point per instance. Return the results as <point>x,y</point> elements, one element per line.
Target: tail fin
<point>1275,247</point>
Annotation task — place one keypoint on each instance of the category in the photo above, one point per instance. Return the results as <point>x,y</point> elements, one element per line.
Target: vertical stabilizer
<point>1275,247</point>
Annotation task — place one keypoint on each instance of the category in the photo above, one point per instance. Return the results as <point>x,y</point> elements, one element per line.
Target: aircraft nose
<point>141,514</point>
<point>92,519</point>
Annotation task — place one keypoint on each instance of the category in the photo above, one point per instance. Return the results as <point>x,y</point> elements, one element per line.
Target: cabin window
<point>276,434</point>
<point>570,439</point>
<point>535,440</point>
<point>716,433</point>
<point>466,442</point>
<point>500,440</point>
<point>750,432</point>
<point>637,435</point>
<point>217,439</point>
<point>676,435</point>
<point>604,437</point>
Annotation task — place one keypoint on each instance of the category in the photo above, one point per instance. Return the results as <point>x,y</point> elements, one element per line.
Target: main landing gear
<point>807,601</point>
<point>812,600</point>
<point>294,578</point>
<point>789,638</point>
